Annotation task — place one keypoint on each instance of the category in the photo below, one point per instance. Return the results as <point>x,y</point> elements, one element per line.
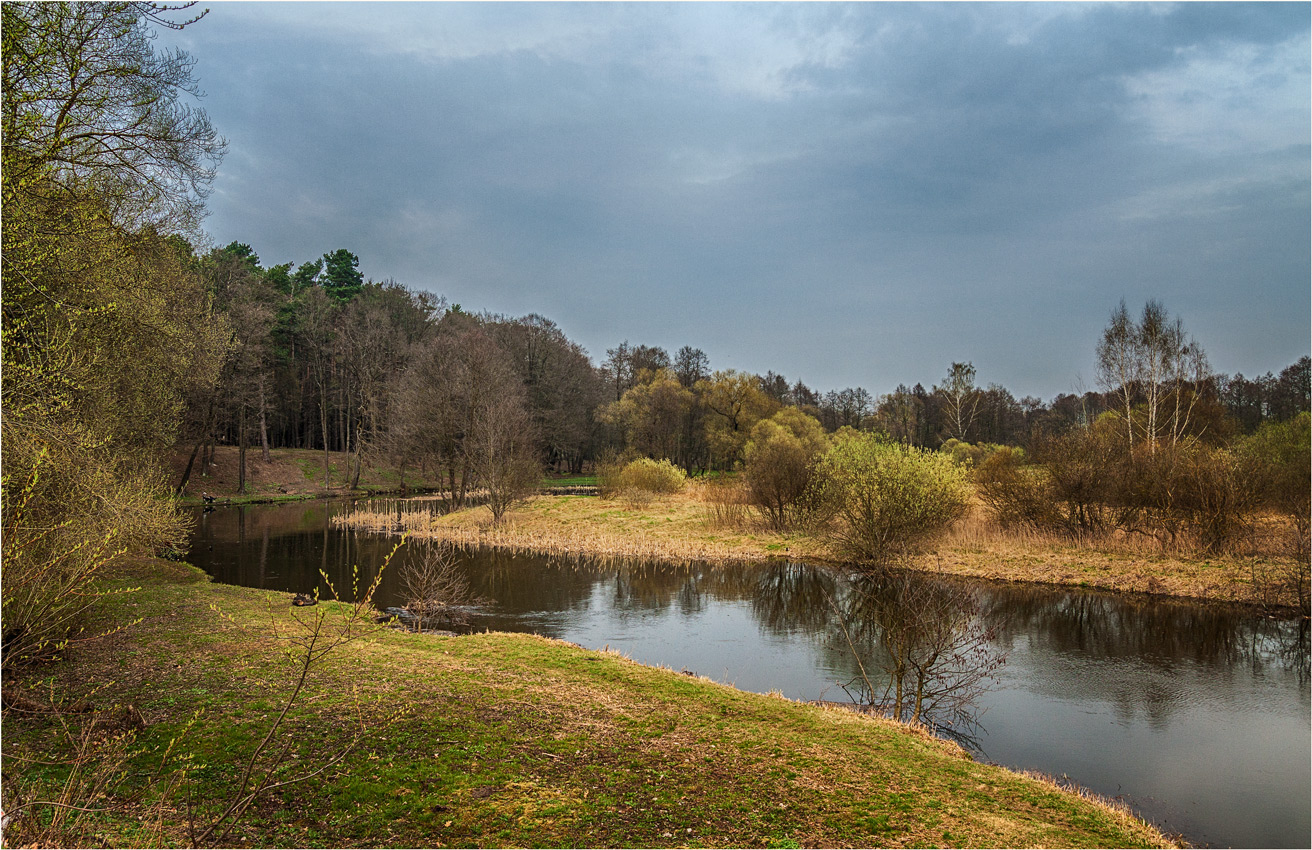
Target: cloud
<point>1228,98</point>
<point>866,191</point>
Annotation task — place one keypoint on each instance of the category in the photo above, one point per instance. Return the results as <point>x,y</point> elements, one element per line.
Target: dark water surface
<point>1196,715</point>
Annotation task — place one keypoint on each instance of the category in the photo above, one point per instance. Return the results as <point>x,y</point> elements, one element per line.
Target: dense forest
<point>125,341</point>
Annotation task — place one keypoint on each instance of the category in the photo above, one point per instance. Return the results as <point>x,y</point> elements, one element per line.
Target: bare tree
<point>1154,369</point>
<point>961,399</point>
<point>503,451</point>
<point>436,590</point>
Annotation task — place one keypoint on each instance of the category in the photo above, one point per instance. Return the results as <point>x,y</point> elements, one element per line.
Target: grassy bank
<point>288,475</point>
<point>685,527</point>
<point>506,740</point>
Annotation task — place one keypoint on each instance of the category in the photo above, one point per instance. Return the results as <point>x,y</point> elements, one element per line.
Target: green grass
<point>570,481</point>
<point>502,740</point>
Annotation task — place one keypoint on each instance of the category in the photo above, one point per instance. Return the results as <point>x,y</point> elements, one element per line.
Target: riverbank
<point>288,475</point>
<point>685,528</point>
<point>504,740</point>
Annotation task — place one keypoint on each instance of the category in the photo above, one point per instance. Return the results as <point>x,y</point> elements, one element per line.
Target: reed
<point>702,524</point>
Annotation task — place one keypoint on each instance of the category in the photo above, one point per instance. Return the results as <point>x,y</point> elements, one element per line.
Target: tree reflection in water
<point>925,635</point>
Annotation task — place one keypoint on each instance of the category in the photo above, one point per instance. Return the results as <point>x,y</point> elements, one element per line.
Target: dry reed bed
<point>689,528</point>
<point>519,535</point>
<point>978,548</point>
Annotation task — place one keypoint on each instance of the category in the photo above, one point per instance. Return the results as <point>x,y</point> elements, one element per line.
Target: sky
<point>850,195</point>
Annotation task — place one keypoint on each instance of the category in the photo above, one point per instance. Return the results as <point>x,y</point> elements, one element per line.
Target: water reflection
<point>1199,713</point>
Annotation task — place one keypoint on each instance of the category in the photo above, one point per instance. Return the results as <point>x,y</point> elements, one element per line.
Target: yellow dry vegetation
<point>682,528</point>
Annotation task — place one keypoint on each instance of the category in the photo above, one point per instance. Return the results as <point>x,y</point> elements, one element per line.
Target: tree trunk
<point>323,422</point>
<point>241,452</point>
<point>264,426</point>
<point>186,473</point>
<point>355,475</point>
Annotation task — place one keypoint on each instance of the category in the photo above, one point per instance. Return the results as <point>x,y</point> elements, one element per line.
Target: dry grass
<point>979,548</point>
<point>695,526</point>
<point>672,528</point>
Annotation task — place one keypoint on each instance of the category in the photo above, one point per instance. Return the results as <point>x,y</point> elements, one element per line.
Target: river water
<point>1195,715</point>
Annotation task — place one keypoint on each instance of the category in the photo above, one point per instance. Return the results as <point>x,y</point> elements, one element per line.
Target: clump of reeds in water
<point>394,517</point>
<point>568,542</point>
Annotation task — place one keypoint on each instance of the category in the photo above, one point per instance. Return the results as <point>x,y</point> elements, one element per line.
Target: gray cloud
<point>847,194</point>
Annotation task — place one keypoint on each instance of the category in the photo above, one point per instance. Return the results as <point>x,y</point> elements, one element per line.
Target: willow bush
<point>644,475</point>
<point>877,502</point>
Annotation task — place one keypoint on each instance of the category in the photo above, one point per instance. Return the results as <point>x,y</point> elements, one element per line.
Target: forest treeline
<point>320,358</point>
<point>124,342</point>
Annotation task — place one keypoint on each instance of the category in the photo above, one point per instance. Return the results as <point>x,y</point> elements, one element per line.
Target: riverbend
<point>1150,700</point>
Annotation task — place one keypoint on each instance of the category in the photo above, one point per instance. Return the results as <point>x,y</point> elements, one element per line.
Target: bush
<point>1281,453</point>
<point>646,476</point>
<point>728,503</point>
<point>67,515</point>
<point>968,455</point>
<point>780,457</point>
<point>877,502</point>
<point>1083,468</point>
<point>1018,495</point>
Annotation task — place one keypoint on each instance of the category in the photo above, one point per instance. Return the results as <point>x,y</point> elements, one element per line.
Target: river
<point>1196,715</point>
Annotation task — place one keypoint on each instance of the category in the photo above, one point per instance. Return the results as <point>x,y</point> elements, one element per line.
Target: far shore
<point>682,528</point>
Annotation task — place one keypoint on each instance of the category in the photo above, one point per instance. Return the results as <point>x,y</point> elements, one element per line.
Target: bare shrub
<point>727,502</point>
<point>100,746</point>
<point>1017,495</point>
<point>636,498</point>
<point>1081,466</point>
<point>437,593</point>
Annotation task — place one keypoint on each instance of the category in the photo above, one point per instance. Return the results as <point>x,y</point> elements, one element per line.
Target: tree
<point>248,303</point>
<point>650,417</point>
<point>646,360</point>
<point>618,368</point>
<point>89,102</point>
<point>780,457</point>
<point>460,407</point>
<point>878,502</point>
<point>1155,370</point>
<point>691,365</point>
<point>341,276</point>
<point>105,327</point>
<point>502,449</point>
<point>960,399</point>
<point>899,414</point>
<point>316,319</point>
<point>376,333</point>
<point>1291,392</point>
<point>563,389</point>
<point>736,403</point>
<point>846,408</point>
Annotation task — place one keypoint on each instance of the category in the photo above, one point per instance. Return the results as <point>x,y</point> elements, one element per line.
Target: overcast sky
<point>853,195</point>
